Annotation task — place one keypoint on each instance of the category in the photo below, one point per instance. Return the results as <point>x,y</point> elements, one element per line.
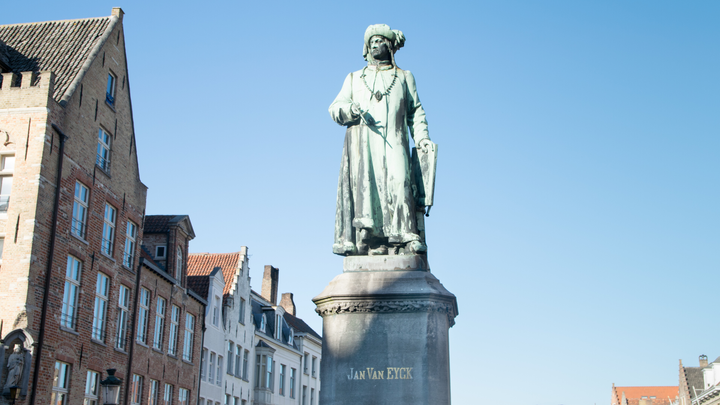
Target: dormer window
<point>290,337</point>
<point>263,323</point>
<point>160,252</point>
<point>110,93</point>
<point>278,328</point>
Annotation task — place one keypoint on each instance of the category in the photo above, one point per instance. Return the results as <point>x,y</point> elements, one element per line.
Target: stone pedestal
<point>385,333</point>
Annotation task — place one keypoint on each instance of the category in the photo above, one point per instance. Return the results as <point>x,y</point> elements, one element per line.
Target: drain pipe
<point>128,376</point>
<point>48,273</point>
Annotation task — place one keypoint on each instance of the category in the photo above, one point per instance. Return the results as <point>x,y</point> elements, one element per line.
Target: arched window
<point>179,264</point>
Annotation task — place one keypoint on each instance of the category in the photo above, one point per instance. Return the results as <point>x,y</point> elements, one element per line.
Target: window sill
<point>187,362</point>
<point>112,107</point>
<point>68,330</point>
<point>173,356</point>
<point>107,256</point>
<point>103,170</point>
<point>156,350</point>
<point>79,238</point>
<point>128,268</point>
<point>121,351</point>
<point>142,344</point>
<point>97,342</point>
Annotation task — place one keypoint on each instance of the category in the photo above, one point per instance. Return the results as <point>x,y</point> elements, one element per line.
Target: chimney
<point>703,360</point>
<point>270,284</point>
<point>287,303</point>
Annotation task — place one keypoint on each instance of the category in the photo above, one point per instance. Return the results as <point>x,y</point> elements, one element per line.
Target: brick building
<point>71,204</point>
<point>168,332</point>
<point>78,295</point>
<point>653,395</point>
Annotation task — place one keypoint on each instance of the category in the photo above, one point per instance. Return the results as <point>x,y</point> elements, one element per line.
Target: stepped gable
<point>202,264</point>
<point>63,47</point>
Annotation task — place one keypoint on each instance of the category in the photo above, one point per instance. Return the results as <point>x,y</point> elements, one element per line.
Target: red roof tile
<point>664,395</point>
<point>202,264</point>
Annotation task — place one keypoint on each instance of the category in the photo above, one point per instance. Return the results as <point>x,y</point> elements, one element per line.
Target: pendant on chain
<point>378,95</point>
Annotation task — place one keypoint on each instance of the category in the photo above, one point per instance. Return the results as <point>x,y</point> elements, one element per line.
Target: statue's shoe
<point>416,247</point>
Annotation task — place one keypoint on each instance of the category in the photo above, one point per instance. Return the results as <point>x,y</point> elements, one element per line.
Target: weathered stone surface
<point>385,334</point>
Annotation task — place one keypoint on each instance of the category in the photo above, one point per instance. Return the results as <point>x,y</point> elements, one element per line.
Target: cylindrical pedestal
<point>385,333</point>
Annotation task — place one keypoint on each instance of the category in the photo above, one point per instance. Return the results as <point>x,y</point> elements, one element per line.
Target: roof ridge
<point>56,21</point>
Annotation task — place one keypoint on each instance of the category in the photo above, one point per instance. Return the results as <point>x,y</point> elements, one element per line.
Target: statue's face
<point>379,48</point>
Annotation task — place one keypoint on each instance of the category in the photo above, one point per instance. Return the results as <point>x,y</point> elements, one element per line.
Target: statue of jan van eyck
<point>382,190</point>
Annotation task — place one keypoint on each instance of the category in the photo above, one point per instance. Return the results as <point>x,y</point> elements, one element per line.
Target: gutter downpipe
<point>141,261</point>
<point>51,256</point>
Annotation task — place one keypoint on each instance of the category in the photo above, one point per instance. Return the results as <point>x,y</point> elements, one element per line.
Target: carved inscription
<point>387,373</point>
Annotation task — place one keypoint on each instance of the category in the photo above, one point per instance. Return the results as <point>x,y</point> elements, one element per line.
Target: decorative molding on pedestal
<point>385,306</point>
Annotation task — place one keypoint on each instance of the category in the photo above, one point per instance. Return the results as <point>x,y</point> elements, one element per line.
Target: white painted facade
<point>211,387</point>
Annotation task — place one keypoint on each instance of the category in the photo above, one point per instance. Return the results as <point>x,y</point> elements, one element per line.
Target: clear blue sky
<point>577,203</point>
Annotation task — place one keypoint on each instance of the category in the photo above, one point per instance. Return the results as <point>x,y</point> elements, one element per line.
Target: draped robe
<point>376,190</point>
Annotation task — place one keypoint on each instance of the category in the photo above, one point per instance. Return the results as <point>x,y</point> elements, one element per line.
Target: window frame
<point>108,235</point>
<point>60,393</point>
<point>92,388</point>
<point>153,391</point>
<point>80,210</point>
<point>174,330</point>
<point>111,88</point>
<point>230,358</point>
<point>293,377</point>
<point>102,158</point>
<point>159,330</point>
<point>143,315</point>
<point>188,337</point>
<point>136,389</point>
<point>238,361</point>
<point>6,173</point>
<point>100,310</point>
<point>122,318</point>
<point>281,382</point>
<point>130,243</point>
<point>168,394</point>
<point>72,286</point>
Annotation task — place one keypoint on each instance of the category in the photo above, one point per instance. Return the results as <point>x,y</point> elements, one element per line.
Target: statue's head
<point>17,348</point>
<point>382,42</point>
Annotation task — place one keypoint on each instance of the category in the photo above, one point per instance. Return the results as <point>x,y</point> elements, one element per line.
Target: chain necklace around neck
<point>377,94</point>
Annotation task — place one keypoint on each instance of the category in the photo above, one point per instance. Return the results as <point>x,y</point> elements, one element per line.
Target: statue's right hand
<point>355,109</point>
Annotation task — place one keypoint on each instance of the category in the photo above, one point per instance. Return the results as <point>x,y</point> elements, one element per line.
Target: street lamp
<point>111,388</point>
<point>14,391</point>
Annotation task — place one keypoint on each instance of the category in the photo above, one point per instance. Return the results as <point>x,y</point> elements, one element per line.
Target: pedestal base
<point>385,333</point>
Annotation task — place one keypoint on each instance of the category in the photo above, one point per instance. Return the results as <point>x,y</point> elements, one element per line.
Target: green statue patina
<point>382,191</point>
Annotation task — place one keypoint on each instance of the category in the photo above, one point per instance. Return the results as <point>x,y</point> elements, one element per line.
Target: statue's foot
<point>378,251</point>
<point>415,247</point>
<point>345,249</point>
<point>362,248</point>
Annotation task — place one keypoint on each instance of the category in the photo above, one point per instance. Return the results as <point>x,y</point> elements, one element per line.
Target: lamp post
<point>111,388</point>
<point>14,391</point>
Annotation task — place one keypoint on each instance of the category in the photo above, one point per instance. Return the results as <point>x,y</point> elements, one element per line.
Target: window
<point>264,371</point>
<point>108,230</point>
<point>290,336</point>
<point>227,399</point>
<point>68,316</point>
<point>103,150</point>
<point>312,396</point>
<point>218,375</point>
<point>136,389</point>
<point>2,246</point>
<point>306,368</point>
<point>278,327</point>
<point>202,401</point>
<point>263,323</point>
<point>238,361</point>
<point>129,255</point>
<point>159,323</point>
<point>211,376</point>
<point>174,325</point>
<point>314,362</point>
<point>7,166</point>
<point>153,392</point>
<point>91,388</point>
<point>216,311</point>
<point>183,396</point>
<point>229,367</point>
<point>167,397</point>
<point>304,395</point>
<point>143,313</point>
<point>123,313</point>
<point>179,264</point>
<point>101,297</point>
<point>242,311</point>
<point>60,387</point>
<point>246,355</point>
<point>189,333</point>
<point>80,208</point>
<point>292,382</point>
<point>281,388</point>
<point>159,252</point>
<point>110,92</point>
<point>203,364</point>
